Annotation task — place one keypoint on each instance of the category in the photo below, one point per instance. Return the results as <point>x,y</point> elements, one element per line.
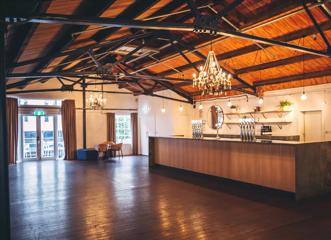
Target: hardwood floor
<point>125,200</point>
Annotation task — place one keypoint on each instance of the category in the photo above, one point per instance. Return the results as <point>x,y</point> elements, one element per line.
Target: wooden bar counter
<point>297,167</point>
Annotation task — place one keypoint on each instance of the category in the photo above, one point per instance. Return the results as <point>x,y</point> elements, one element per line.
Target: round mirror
<point>215,117</point>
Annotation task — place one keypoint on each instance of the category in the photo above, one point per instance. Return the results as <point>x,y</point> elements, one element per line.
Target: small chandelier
<point>96,101</point>
<point>212,79</point>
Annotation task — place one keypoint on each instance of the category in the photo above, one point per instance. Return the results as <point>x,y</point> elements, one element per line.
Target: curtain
<point>12,129</point>
<point>68,113</point>
<point>111,130</point>
<point>134,127</point>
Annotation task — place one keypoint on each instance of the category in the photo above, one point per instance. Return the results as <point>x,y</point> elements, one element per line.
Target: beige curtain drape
<point>111,131</point>
<point>12,129</point>
<point>134,128</point>
<point>68,113</point>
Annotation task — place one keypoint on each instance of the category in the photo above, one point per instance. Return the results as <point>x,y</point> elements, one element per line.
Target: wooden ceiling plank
<point>292,78</point>
<point>22,36</point>
<point>131,12</point>
<point>312,18</point>
<point>88,9</point>
<point>276,63</point>
<point>252,48</point>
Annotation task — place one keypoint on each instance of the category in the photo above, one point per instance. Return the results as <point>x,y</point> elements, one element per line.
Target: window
<point>123,129</point>
<point>40,102</point>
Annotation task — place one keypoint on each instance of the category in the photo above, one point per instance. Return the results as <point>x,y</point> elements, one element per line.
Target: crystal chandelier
<point>96,101</point>
<point>212,79</point>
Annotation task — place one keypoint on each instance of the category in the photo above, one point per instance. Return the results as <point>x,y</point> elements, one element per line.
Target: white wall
<point>319,98</point>
<point>96,120</point>
<point>173,122</point>
<point>153,122</point>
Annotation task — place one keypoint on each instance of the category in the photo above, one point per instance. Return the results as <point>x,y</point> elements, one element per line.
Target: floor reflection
<point>124,199</point>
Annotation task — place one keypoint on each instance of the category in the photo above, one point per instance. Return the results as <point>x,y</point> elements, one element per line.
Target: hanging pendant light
<point>229,104</point>
<point>303,96</point>
<point>181,108</point>
<point>260,100</point>
<point>96,101</point>
<point>163,109</point>
<point>200,106</point>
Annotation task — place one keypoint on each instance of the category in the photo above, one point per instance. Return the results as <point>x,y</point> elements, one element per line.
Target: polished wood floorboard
<point>125,200</point>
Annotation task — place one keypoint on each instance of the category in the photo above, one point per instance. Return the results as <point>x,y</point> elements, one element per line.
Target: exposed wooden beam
<point>238,89</point>
<point>168,98</point>
<point>230,7</point>
<point>252,48</point>
<point>276,63</point>
<point>77,51</point>
<point>292,78</point>
<point>64,37</point>
<point>191,4</point>
<point>22,35</point>
<point>132,11</point>
<point>273,13</point>
<point>137,24</point>
<point>179,91</point>
<point>179,50</point>
<point>312,18</point>
<point>62,90</point>
<point>91,75</point>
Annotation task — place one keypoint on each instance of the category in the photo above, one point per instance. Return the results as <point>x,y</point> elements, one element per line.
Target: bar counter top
<point>238,140</point>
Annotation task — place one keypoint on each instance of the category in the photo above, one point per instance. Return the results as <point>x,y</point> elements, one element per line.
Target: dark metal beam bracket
<point>312,18</point>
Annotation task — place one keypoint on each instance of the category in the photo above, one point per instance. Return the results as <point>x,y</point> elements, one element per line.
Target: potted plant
<point>285,105</point>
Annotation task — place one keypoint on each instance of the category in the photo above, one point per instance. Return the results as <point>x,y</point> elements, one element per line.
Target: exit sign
<point>38,113</point>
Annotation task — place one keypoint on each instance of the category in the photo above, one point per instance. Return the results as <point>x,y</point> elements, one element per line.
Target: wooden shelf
<point>253,114</point>
<point>261,112</point>
<point>278,123</point>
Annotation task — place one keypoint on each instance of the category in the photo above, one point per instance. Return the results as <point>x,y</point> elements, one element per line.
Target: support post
<point>84,112</point>
<point>4,185</point>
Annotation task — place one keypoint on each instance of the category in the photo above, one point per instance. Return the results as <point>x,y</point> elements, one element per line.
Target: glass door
<point>29,137</point>
<point>47,137</point>
<point>42,137</point>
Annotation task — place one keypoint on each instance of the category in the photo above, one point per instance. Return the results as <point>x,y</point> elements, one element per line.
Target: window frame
<point>123,128</point>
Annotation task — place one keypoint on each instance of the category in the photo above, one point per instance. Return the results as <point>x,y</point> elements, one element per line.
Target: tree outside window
<point>123,129</point>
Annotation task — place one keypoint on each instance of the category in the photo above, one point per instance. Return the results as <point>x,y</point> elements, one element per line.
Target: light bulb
<point>200,106</point>
<point>303,96</point>
<point>261,100</point>
<point>163,110</point>
<point>181,108</point>
<point>229,103</point>
<point>194,75</point>
<point>201,68</point>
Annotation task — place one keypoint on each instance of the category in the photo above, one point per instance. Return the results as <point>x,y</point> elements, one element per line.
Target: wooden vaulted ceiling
<point>42,48</point>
